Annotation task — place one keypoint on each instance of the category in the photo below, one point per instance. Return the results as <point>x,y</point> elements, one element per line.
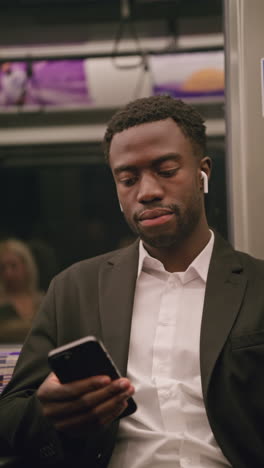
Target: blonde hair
<point>20,249</point>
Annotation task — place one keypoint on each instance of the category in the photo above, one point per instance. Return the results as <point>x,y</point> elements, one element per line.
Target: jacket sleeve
<point>23,426</point>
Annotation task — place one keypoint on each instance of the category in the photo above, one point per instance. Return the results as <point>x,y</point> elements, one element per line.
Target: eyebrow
<point>166,157</point>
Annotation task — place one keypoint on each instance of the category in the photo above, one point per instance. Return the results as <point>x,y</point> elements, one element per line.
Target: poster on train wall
<point>262,84</point>
<point>195,75</point>
<point>46,83</point>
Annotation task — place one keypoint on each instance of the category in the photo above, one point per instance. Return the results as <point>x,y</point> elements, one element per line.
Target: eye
<point>168,172</point>
<point>128,181</point>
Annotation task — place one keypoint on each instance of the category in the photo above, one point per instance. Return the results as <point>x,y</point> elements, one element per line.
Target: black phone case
<point>86,360</point>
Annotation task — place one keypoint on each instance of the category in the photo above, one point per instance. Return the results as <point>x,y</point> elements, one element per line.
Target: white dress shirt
<point>170,428</point>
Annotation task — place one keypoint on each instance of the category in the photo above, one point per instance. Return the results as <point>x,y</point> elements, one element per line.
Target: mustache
<point>173,208</point>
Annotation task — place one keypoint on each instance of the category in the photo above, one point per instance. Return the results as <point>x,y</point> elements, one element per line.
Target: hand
<point>85,405</point>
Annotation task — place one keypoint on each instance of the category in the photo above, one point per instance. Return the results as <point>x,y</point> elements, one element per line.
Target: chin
<point>160,240</point>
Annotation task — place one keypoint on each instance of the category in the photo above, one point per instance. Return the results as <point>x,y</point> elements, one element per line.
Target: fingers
<point>85,405</point>
<point>52,389</point>
<point>96,417</point>
<point>95,395</point>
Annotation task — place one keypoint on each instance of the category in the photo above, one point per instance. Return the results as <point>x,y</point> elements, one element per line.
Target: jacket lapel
<point>225,290</point>
<point>117,280</point>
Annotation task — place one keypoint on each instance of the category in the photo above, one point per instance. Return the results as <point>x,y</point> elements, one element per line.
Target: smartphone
<point>85,358</point>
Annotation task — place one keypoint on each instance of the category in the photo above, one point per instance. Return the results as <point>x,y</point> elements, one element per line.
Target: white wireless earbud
<point>121,208</point>
<point>205,181</point>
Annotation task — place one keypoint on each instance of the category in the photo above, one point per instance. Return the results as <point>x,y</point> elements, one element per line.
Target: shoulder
<point>250,263</point>
<point>225,254</point>
<point>90,267</point>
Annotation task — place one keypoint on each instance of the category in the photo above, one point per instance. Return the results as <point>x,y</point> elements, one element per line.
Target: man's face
<point>158,182</point>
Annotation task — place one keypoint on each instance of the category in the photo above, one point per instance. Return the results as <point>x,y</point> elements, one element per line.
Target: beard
<point>187,218</point>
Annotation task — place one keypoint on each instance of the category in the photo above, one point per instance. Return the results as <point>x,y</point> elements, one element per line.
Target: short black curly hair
<point>152,109</point>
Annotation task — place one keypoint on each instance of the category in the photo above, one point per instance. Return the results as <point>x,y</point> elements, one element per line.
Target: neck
<point>178,257</point>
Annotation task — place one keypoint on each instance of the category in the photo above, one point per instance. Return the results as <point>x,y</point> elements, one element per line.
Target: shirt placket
<point>163,355</point>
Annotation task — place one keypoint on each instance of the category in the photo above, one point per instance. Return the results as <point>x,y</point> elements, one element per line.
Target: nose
<point>149,189</point>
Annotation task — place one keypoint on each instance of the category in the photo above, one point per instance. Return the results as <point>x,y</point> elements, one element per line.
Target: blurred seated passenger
<point>19,294</point>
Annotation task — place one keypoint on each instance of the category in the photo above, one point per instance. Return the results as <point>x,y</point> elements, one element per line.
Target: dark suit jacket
<point>95,297</point>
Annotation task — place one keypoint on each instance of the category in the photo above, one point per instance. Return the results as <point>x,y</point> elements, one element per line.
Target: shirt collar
<point>199,266</point>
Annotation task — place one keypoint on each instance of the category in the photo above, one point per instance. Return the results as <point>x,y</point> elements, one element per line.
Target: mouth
<point>155,217</point>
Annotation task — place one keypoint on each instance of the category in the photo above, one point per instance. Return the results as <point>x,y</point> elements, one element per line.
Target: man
<point>180,312</point>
